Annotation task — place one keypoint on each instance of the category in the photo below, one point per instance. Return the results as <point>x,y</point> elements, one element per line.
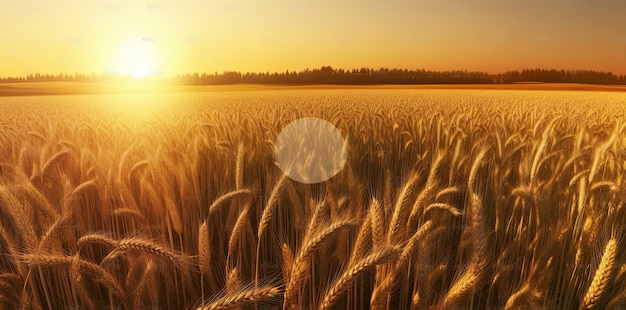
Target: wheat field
<point>471,199</point>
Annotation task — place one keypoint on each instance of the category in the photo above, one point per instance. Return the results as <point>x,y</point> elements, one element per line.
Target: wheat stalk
<point>96,272</point>
<point>238,231</point>
<point>204,248</point>
<point>382,289</point>
<point>301,264</point>
<point>340,286</point>
<point>602,277</point>
<point>271,206</point>
<point>243,297</point>
<point>225,198</point>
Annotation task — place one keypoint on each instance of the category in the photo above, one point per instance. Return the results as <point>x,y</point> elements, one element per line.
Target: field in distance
<point>72,88</point>
<point>449,199</point>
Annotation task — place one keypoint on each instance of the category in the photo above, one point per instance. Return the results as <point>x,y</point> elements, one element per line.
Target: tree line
<point>329,75</point>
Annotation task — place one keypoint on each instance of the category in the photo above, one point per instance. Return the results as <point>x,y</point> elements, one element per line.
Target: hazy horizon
<point>169,38</point>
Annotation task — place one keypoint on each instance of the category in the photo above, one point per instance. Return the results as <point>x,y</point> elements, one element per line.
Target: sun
<point>136,58</point>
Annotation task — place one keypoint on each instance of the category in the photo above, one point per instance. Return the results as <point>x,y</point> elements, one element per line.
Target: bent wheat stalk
<point>340,286</point>
<point>602,277</point>
<point>243,297</point>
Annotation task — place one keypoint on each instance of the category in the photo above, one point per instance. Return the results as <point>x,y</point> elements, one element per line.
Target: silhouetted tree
<point>329,75</point>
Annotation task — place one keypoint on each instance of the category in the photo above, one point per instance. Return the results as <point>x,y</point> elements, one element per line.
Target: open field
<point>73,88</point>
<point>449,199</point>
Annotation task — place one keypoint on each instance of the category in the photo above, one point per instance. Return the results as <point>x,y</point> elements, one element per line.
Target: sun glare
<point>136,58</point>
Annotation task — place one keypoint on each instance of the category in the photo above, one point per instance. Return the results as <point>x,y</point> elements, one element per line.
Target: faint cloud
<point>147,39</point>
<point>191,39</point>
<point>230,7</point>
<point>269,39</point>
<point>73,40</point>
<point>111,7</point>
<point>59,57</point>
<point>379,5</point>
<point>496,39</point>
<point>112,72</point>
<point>17,59</point>
<point>31,6</point>
<point>302,6</point>
<point>183,31</point>
<point>541,39</point>
<point>578,4</point>
<point>620,39</point>
<point>342,40</point>
<point>460,6</point>
<point>154,6</point>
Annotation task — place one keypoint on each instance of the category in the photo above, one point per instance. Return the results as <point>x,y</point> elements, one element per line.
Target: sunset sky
<point>174,37</point>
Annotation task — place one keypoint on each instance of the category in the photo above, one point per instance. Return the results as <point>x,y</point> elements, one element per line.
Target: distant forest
<point>329,75</point>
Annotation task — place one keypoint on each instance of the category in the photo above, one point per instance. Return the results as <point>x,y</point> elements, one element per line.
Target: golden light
<point>137,58</point>
<point>138,107</point>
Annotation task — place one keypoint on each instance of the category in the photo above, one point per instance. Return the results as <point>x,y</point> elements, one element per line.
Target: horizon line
<point>159,75</point>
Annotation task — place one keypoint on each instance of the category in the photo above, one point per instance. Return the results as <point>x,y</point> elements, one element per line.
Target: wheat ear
<point>301,264</point>
<point>343,283</point>
<point>602,276</point>
<point>243,297</point>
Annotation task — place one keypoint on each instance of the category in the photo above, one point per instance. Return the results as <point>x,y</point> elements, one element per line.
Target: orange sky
<point>173,37</point>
